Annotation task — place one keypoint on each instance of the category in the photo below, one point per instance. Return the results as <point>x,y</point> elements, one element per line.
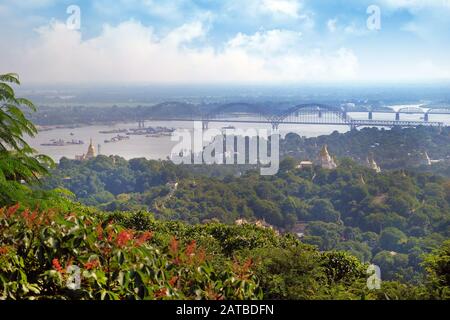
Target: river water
<point>160,147</point>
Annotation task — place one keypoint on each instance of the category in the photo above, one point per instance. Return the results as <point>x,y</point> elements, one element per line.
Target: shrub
<point>39,249</point>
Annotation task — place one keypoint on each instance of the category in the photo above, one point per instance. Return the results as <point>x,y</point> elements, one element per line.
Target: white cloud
<point>284,7</point>
<point>266,43</point>
<point>131,52</point>
<point>351,29</point>
<point>185,34</point>
<point>275,10</point>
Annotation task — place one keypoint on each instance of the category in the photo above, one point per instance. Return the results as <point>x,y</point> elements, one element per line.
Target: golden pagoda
<point>91,151</point>
<point>371,163</point>
<point>89,155</point>
<point>326,161</point>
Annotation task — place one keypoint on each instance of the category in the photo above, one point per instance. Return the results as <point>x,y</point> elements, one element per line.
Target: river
<point>160,147</point>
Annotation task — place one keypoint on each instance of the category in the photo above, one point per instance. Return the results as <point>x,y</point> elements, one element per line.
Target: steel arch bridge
<point>426,112</point>
<point>418,110</point>
<point>305,114</point>
<point>314,113</point>
<point>310,113</point>
<point>412,110</point>
<point>231,110</point>
<point>438,111</point>
<point>319,113</point>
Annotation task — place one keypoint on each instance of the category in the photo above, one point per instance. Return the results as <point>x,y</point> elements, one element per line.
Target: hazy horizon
<point>60,95</point>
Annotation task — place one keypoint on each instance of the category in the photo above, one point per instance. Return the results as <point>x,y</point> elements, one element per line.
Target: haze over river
<point>139,146</point>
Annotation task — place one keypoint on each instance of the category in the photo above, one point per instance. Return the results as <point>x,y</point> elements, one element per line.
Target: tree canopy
<point>19,163</point>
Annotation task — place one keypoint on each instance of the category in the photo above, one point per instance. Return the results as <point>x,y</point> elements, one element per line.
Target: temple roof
<point>91,150</point>
<point>324,151</point>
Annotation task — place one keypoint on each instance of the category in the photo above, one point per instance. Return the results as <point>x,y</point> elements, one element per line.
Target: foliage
<point>19,165</point>
<point>399,148</point>
<point>134,256</point>
<point>351,208</point>
<point>37,250</point>
<point>437,265</point>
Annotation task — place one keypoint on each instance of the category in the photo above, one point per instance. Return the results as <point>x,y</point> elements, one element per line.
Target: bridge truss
<point>305,114</point>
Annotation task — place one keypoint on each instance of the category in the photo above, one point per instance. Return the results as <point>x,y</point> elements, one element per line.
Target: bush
<point>39,250</point>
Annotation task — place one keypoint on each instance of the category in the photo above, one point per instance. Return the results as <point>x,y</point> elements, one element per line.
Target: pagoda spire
<point>91,150</point>
<point>371,163</point>
<point>326,161</point>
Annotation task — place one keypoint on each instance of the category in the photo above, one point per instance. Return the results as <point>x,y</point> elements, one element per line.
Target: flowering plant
<point>39,250</point>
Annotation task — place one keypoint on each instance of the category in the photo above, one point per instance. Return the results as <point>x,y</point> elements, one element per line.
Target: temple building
<point>89,155</point>
<point>371,163</point>
<point>305,164</point>
<point>326,161</point>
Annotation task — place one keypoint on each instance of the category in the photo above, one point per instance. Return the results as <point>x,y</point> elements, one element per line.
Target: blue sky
<point>211,41</point>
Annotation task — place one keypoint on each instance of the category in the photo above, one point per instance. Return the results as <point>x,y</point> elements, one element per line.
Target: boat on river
<point>117,139</point>
<point>62,143</point>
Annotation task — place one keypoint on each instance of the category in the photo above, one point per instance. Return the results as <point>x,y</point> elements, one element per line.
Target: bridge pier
<point>275,126</point>
<point>370,115</point>
<point>426,117</point>
<point>397,116</point>
<point>141,124</point>
<point>205,125</point>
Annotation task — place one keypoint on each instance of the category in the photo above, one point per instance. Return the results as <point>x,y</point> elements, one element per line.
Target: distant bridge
<point>306,114</point>
<point>426,112</point>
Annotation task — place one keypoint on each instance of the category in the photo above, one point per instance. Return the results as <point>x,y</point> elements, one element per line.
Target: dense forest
<point>399,148</point>
<point>143,229</point>
<point>391,218</point>
<point>133,256</point>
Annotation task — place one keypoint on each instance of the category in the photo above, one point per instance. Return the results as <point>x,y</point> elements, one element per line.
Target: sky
<point>225,41</point>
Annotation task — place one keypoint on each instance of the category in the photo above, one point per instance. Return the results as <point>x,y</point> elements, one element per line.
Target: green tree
<point>358,249</point>
<point>288,164</point>
<point>341,266</point>
<point>323,210</point>
<point>437,265</point>
<point>329,234</point>
<point>392,239</point>
<point>294,273</point>
<point>19,164</point>
<point>269,211</point>
<point>391,264</point>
